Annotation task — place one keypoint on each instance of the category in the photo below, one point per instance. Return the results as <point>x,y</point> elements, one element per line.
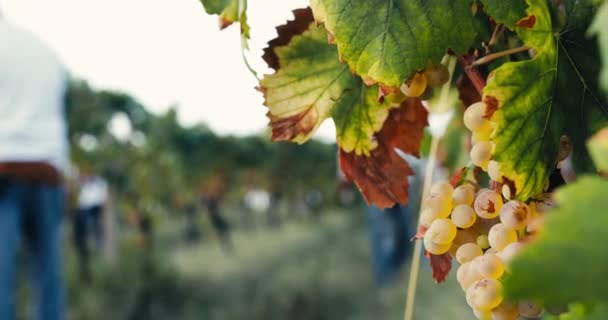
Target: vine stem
<point>245,40</point>
<point>493,56</point>
<point>246,60</point>
<point>498,31</point>
<point>426,186</point>
<point>415,265</point>
<point>473,74</point>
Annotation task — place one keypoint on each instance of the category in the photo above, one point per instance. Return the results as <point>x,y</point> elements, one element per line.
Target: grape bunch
<point>483,232</point>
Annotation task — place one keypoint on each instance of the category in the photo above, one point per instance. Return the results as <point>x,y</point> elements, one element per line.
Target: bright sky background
<point>163,52</point>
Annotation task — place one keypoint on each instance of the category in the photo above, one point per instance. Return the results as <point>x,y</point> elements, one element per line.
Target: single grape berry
<point>427,217</point>
<point>500,236</point>
<point>506,311</point>
<point>474,116</point>
<point>416,86</point>
<point>489,266</point>
<point>482,314</point>
<point>467,252</point>
<point>481,153</point>
<point>506,192</point>
<point>437,75</point>
<point>435,248</point>
<point>464,194</point>
<point>442,231</point>
<point>530,309</point>
<point>491,251</point>
<point>510,251</point>
<point>441,189</point>
<point>514,214</point>
<point>487,204</point>
<point>494,170</point>
<point>483,133</point>
<point>482,241</point>
<point>485,294</point>
<point>440,205</point>
<point>463,216</point>
<point>467,275</point>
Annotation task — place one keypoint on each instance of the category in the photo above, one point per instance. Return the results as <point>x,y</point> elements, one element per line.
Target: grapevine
<point>532,82</point>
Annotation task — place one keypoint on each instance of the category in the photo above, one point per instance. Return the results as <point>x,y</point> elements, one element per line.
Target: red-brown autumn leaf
<point>287,128</point>
<point>382,176</point>
<point>458,176</point>
<point>420,234</point>
<point>440,264</point>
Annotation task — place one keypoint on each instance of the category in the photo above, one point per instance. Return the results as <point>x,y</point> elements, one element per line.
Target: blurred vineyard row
<point>152,161</point>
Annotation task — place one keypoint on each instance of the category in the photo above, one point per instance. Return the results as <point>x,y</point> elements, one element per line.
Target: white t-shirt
<point>32,88</point>
<point>93,192</point>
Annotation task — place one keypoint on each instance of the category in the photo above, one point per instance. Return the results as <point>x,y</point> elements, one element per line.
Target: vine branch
<point>493,56</point>
<point>473,74</point>
<point>498,31</point>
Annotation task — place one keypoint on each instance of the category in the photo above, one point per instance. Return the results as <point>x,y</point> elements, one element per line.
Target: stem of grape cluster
<point>493,56</point>
<point>415,265</point>
<point>428,179</point>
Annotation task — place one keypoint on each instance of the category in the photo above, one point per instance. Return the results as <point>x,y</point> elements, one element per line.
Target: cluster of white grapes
<point>483,233</point>
<point>477,119</point>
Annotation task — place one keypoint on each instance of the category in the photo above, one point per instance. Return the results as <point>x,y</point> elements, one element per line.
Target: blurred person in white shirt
<point>33,160</point>
<point>92,199</point>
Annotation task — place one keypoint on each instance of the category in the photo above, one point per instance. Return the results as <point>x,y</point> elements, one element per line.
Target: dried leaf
<point>440,264</point>
<point>382,176</point>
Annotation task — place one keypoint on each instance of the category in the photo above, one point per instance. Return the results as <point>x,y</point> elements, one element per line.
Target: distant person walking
<point>212,195</point>
<point>33,158</point>
<point>92,199</point>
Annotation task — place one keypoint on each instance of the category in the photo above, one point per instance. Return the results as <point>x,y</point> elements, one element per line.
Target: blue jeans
<point>389,238</point>
<point>32,213</point>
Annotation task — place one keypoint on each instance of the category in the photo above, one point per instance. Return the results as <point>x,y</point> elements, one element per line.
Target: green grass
<point>314,270</point>
<point>311,271</point>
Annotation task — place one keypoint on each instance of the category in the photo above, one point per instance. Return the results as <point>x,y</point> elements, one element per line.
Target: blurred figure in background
<point>33,158</point>
<point>92,199</point>
<point>389,239</point>
<point>212,195</point>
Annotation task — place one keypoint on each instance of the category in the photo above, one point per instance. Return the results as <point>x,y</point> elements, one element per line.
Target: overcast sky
<point>163,52</point>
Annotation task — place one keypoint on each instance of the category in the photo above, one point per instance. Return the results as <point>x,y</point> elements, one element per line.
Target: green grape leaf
<point>229,12</point>
<point>598,149</point>
<point>386,41</point>
<point>566,262</point>
<point>600,28</point>
<point>302,20</point>
<point>507,12</point>
<point>579,311</point>
<point>307,87</point>
<point>310,85</point>
<point>536,102</point>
